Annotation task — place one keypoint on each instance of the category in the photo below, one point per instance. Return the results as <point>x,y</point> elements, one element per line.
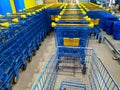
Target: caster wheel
<point>45,36</point>
<point>100,40</point>
<point>39,44</point>
<point>29,59</point>
<point>84,71</point>
<point>37,48</point>
<point>97,37</point>
<point>48,33</point>
<point>15,79</point>
<point>84,68</point>
<point>34,53</point>
<point>24,67</point>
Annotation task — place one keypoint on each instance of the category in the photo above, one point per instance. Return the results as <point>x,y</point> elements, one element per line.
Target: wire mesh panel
<point>72,58</point>
<point>100,78</point>
<point>68,85</point>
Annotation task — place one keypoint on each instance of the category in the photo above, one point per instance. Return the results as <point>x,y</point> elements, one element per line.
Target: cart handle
<point>91,25</point>
<point>6,24</point>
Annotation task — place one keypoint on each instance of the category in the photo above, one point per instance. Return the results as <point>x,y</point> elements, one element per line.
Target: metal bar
<point>71,24</point>
<point>73,19</point>
<point>116,50</point>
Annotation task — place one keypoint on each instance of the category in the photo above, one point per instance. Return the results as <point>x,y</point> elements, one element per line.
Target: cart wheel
<point>100,39</point>
<point>24,67</point>
<point>83,71</point>
<point>90,35</point>
<point>29,59</point>
<point>43,39</point>
<point>33,53</point>
<point>37,47</point>
<point>45,36</point>
<point>40,44</point>
<point>15,79</point>
<point>48,33</point>
<point>97,36</point>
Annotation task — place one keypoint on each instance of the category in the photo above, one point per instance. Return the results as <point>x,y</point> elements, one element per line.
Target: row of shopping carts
<point>73,66</point>
<point>71,31</point>
<point>108,20</point>
<point>21,34</point>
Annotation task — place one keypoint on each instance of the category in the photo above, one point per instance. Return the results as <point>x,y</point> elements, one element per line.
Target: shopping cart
<point>19,42</point>
<point>56,75</point>
<point>73,66</point>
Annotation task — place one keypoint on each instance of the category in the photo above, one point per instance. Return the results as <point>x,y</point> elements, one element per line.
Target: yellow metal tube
<point>91,25</point>
<point>71,24</point>
<point>72,19</point>
<point>6,24</point>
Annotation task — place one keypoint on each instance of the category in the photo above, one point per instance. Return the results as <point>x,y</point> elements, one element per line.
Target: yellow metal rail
<point>91,25</point>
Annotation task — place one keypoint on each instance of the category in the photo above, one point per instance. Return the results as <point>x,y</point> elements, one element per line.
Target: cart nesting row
<point>57,77</point>
<point>21,34</point>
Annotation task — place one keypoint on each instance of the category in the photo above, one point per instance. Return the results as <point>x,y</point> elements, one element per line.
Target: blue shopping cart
<point>55,76</point>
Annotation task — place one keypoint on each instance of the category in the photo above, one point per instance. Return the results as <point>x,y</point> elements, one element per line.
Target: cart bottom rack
<point>64,71</point>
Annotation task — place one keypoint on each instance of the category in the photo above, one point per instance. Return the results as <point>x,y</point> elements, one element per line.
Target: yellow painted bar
<point>72,24</point>
<point>91,25</point>
<point>13,6</point>
<point>6,24</point>
<point>73,19</point>
<point>29,3</point>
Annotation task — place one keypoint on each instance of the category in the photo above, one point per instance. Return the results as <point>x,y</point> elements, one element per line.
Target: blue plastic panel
<point>19,4</point>
<point>5,7</point>
<point>116,30</point>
